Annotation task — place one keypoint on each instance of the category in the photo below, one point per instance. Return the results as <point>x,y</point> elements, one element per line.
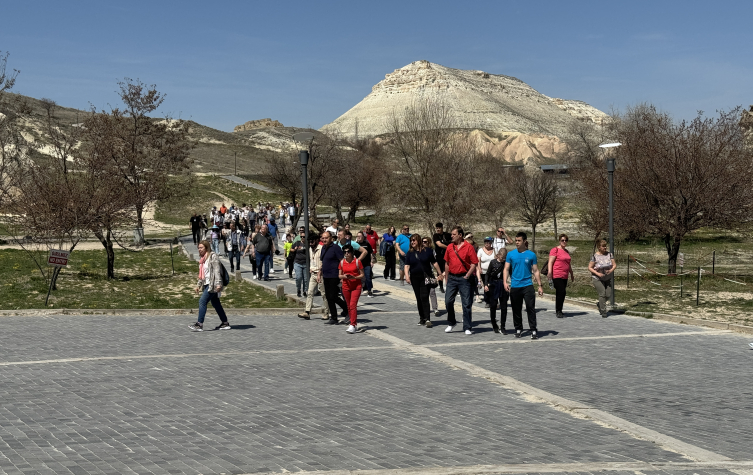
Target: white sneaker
<point>449,328</point>
<point>351,329</point>
<point>468,332</point>
<point>271,271</point>
<point>255,277</point>
<point>750,344</point>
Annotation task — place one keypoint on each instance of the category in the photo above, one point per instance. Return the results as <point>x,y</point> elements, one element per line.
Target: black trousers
<point>332,293</point>
<point>389,265</point>
<point>517,296</point>
<point>560,286</point>
<point>498,294</point>
<point>196,235</point>
<point>421,291</point>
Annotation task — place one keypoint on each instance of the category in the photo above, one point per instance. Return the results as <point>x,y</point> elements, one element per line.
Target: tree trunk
<point>352,212</point>
<point>106,240</point>
<point>672,245</point>
<point>555,224</point>
<point>140,216</point>
<point>533,246</point>
<point>339,215</point>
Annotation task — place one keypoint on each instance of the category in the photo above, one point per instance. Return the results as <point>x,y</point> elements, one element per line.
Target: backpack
<point>224,275</point>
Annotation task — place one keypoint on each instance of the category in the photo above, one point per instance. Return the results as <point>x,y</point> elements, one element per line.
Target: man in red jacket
<point>461,261</point>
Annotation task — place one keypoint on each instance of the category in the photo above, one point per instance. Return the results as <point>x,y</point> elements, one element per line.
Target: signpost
<point>57,258</point>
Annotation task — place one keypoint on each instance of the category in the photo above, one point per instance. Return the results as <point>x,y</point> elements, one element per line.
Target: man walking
<point>441,240</point>
<point>402,243</point>
<point>315,249</point>
<point>461,261</point>
<point>263,248</point>
<point>195,223</point>
<point>520,265</point>
<point>329,273</point>
<point>373,239</point>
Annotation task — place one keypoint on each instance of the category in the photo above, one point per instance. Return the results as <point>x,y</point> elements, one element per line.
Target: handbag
<point>431,282</point>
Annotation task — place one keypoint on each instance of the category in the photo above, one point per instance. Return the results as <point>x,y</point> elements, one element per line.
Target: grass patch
<point>205,192</point>
<point>143,280</point>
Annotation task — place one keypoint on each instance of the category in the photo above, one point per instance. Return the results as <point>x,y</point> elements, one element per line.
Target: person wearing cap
<point>216,232</point>
<point>461,261</point>
<point>485,256</point>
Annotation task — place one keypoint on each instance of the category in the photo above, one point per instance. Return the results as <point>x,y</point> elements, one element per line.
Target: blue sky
<point>306,63</point>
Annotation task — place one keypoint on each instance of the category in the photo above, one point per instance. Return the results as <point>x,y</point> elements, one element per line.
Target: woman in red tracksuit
<point>351,275</point>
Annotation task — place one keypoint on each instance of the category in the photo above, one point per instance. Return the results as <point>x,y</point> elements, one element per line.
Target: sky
<point>306,63</point>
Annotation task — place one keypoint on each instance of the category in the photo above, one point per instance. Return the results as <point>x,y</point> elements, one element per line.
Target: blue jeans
<point>457,284</point>
<point>367,285</point>
<point>262,262</point>
<point>206,297</point>
<point>216,246</point>
<point>234,254</point>
<point>301,277</point>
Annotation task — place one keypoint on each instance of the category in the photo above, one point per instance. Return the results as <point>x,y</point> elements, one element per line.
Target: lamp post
<point>303,156</point>
<point>610,170</point>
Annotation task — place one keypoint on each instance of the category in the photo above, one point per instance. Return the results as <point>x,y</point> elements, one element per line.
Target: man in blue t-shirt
<point>520,265</point>
<point>403,246</point>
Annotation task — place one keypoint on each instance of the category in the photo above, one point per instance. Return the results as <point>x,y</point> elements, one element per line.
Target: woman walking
<point>418,264</point>
<point>351,274</point>
<point>210,287</point>
<point>495,287</point>
<point>601,267</point>
<point>250,248</point>
<point>559,268</point>
<point>485,256</point>
<point>473,279</point>
<point>388,249</point>
<point>298,257</point>
<point>288,256</point>
<point>433,291</point>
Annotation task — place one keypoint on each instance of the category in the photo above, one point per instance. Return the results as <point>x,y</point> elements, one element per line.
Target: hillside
<point>513,121</point>
<point>215,151</point>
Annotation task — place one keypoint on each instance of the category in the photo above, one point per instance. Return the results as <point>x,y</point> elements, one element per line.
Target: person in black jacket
<point>495,286</point>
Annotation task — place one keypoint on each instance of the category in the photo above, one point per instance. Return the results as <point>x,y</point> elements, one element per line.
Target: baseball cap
<point>487,238</point>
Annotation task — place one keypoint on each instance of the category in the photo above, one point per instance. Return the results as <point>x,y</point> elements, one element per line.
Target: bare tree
<point>676,177</point>
<point>145,151</point>
<point>535,195</point>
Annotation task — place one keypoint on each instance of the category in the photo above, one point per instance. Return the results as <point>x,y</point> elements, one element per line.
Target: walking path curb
<point>150,312</point>
<point>687,320</point>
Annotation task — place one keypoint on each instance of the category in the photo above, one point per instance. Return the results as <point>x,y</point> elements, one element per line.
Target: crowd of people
<point>340,268</point>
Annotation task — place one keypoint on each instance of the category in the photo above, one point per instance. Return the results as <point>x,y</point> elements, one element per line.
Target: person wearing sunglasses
<point>351,275</point>
<point>418,263</point>
<point>558,270</point>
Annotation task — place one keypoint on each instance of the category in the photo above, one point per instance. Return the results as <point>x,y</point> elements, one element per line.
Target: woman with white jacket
<point>210,287</point>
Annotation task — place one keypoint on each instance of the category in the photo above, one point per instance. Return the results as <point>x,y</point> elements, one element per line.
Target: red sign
<point>58,258</point>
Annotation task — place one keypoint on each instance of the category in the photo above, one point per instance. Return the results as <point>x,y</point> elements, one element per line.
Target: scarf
<point>201,266</point>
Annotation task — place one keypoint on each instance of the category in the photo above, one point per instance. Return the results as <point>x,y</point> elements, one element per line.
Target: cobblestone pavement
<point>140,394</point>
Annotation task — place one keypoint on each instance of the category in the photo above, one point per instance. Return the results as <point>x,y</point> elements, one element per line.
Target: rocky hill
<point>257,124</point>
<point>515,122</point>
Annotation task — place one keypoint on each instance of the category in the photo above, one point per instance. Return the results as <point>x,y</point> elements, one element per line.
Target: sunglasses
<point>563,240</point>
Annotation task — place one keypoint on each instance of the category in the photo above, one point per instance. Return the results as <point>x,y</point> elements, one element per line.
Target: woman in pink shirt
<point>559,269</point>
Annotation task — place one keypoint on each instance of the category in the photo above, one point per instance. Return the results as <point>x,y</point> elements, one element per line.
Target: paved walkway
<point>138,394</point>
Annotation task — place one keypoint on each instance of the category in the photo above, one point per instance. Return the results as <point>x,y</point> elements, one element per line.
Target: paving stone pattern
<point>295,395</point>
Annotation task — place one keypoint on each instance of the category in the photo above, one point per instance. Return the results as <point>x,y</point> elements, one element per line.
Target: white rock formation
<point>530,120</point>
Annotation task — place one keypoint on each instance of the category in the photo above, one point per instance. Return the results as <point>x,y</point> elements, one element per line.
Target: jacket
<point>215,277</point>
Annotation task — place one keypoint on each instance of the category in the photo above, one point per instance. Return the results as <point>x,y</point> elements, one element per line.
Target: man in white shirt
<point>501,240</point>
